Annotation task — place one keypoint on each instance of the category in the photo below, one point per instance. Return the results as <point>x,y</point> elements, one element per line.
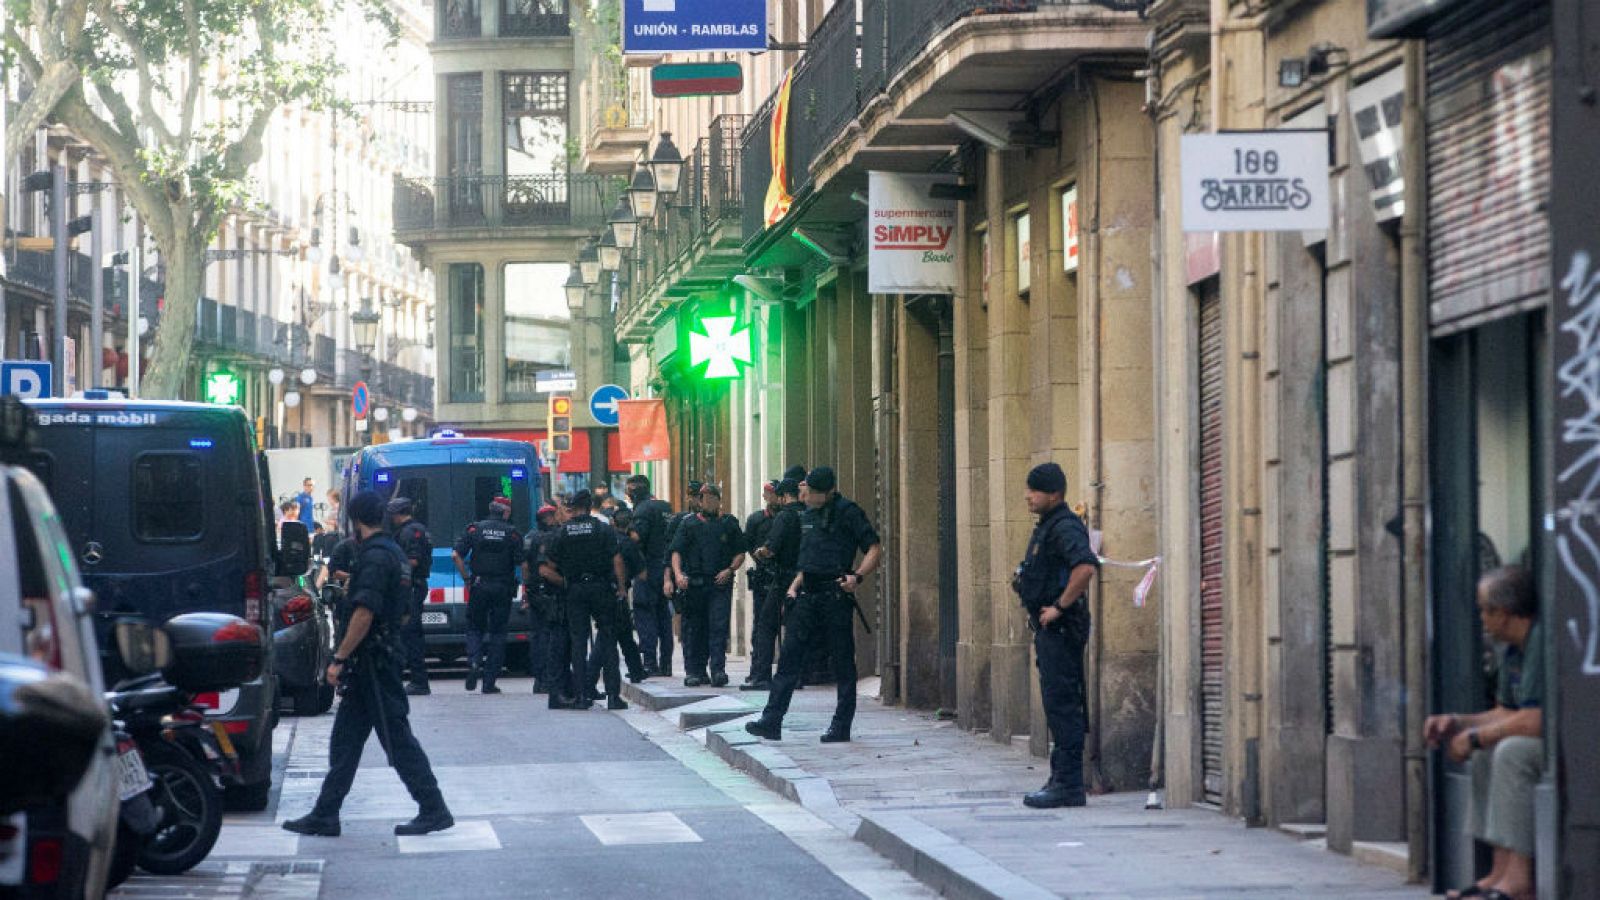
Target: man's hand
<point>725,576</point>
<point>1437,729</point>
<point>1049,614</point>
<point>849,582</point>
<point>682,582</point>
<point>334,670</point>
<point>1461,746</point>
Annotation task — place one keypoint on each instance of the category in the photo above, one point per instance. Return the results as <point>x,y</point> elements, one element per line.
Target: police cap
<point>821,479</point>
<point>501,505</point>
<point>399,506</point>
<point>581,500</point>
<point>366,508</point>
<point>789,487</point>
<point>796,472</point>
<point>711,489</point>
<point>695,486</point>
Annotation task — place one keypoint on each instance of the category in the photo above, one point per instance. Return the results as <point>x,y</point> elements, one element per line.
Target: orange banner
<point>778,199</point>
<point>643,427</point>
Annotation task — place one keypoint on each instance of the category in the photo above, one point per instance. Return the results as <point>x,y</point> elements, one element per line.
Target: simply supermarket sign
<point>912,236</point>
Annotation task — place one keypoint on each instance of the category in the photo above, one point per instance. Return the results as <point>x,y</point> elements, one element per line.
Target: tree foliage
<point>177,95</point>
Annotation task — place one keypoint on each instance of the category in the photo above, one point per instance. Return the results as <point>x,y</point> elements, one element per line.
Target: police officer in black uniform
<point>652,613</point>
<point>621,617</point>
<point>764,633</point>
<point>691,506</point>
<point>366,670</point>
<point>417,545</point>
<point>706,556</point>
<point>1054,576</point>
<point>494,548</point>
<point>833,529</point>
<point>539,600</point>
<point>583,555</point>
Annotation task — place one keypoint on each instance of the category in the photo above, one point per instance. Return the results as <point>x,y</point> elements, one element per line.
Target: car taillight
<point>208,701</point>
<point>44,861</point>
<point>236,631</point>
<point>297,610</point>
<point>254,593</point>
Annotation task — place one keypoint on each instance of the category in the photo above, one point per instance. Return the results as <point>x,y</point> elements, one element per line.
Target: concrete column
<point>917,545</point>
<point>494,336</point>
<point>1009,522</point>
<point>973,656</point>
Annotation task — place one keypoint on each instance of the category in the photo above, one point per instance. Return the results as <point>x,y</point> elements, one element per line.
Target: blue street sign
<point>603,404</point>
<point>677,26</point>
<point>360,400</point>
<point>26,378</point>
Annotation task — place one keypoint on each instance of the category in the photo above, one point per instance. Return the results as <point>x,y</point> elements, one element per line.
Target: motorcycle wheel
<point>125,856</point>
<point>191,811</point>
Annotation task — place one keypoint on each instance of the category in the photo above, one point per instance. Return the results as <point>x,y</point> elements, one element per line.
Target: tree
<point>177,96</point>
<point>58,25</point>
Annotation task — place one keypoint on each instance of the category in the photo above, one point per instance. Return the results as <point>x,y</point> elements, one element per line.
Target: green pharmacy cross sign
<point>222,388</point>
<point>720,344</point>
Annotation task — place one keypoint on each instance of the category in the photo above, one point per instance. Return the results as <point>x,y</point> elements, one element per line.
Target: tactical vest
<point>494,552</point>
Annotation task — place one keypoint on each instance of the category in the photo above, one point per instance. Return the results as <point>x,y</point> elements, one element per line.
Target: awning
<point>575,461</point>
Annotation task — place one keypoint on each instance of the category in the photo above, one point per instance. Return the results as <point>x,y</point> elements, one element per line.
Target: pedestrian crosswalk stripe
<point>464,837</point>
<point>640,828</point>
<point>256,840</point>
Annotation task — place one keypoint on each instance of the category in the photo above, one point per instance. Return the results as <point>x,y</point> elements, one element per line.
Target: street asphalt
<point>548,804</point>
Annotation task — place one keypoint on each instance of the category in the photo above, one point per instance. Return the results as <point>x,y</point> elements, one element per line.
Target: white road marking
<point>640,828</point>
<point>255,841</point>
<point>465,837</point>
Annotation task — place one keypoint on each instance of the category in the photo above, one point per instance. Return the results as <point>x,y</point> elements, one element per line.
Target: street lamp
<point>291,399</point>
<point>610,253</point>
<point>624,224</point>
<point>381,414</point>
<point>366,322</point>
<point>577,291</point>
<point>409,414</point>
<point>275,375</point>
<point>589,262</point>
<point>666,165</point>
<point>308,376</point>
<point>642,193</point>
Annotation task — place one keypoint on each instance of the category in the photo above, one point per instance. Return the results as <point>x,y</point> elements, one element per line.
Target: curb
<point>921,851</point>
<point>661,696</point>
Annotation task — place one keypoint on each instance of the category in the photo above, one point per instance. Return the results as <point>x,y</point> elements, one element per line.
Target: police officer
<point>583,555</point>
<point>366,670</point>
<point>832,529</point>
<point>691,506</point>
<point>764,636</point>
<point>1051,582</point>
<point>538,599</point>
<point>621,622</point>
<point>417,545</point>
<point>652,614</point>
<point>780,552</point>
<point>494,548</point>
<point>706,555</point>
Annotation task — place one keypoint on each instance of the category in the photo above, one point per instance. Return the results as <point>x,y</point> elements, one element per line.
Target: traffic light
<point>223,388</point>
<point>560,424</point>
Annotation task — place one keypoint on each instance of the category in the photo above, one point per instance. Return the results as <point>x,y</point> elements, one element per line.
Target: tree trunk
<point>53,83</point>
<point>185,262</point>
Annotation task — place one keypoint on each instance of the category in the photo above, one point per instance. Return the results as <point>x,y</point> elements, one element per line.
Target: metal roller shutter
<point>1488,151</point>
<point>1212,707</point>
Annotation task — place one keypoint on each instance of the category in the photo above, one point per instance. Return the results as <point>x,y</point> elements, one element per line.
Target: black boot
<point>756,683</point>
<point>539,687</point>
<point>427,822</point>
<point>719,679</point>
<point>417,689</point>
<point>489,688</point>
<point>472,679</point>
<point>616,703</point>
<point>314,825</point>
<point>836,734</point>
<point>1054,795</point>
<point>559,700</point>
<point>771,729</point>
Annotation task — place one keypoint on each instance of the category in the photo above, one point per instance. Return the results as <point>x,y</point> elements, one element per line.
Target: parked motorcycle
<point>179,756</point>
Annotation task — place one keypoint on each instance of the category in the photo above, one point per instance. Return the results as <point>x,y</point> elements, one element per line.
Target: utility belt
<point>702,581</point>
<point>813,583</point>
<point>760,578</point>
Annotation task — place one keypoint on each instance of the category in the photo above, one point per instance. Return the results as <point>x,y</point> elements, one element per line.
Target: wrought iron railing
<point>617,96</point>
<point>825,95</point>
<point>755,154</point>
<point>460,18</point>
<point>723,198</point>
<point>534,18</point>
<point>228,326</point>
<point>325,356</point>
<point>476,201</point>
<point>248,331</point>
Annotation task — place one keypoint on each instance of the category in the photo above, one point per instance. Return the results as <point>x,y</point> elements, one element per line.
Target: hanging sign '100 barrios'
<point>1255,181</point>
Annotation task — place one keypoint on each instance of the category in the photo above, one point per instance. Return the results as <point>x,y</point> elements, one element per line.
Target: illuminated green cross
<point>721,347</point>
<point>222,388</point>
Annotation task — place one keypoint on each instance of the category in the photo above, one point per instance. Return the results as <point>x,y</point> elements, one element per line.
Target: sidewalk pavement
<point>946,805</point>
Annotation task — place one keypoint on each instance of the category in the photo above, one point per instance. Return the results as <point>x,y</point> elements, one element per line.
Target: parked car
<point>57,843</point>
<point>303,645</point>
<point>167,513</point>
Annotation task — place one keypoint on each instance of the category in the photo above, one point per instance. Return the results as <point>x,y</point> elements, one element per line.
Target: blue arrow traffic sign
<point>603,404</point>
<point>25,378</point>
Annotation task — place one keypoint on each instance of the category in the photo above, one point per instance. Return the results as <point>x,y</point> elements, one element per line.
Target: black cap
<point>366,508</point>
<point>821,479</point>
<point>399,506</point>
<point>797,472</point>
<point>711,489</point>
<point>789,487</point>
<point>581,500</point>
<point>1047,478</point>
<point>695,486</point>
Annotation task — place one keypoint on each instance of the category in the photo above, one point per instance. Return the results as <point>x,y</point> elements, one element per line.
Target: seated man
<point>1505,744</point>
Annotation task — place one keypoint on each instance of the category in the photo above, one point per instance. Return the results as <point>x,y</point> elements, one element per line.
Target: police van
<point>165,506</point>
<point>450,480</point>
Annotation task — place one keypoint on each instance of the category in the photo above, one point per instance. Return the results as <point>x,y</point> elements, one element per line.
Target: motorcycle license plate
<point>132,779</point>
<point>435,618</point>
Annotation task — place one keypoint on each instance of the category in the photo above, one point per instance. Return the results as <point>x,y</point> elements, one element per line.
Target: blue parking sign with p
<point>25,378</point>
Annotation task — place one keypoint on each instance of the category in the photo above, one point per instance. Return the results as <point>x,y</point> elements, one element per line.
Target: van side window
<point>415,489</point>
<point>484,490</point>
<point>168,497</point>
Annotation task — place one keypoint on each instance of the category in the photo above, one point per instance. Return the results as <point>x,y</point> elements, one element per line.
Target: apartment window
<point>537,325</point>
<point>460,18</point>
<point>533,18</point>
<point>535,105</point>
<point>466,332</point>
<point>464,112</point>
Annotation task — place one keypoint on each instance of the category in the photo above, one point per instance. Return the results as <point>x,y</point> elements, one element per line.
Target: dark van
<point>164,504</point>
